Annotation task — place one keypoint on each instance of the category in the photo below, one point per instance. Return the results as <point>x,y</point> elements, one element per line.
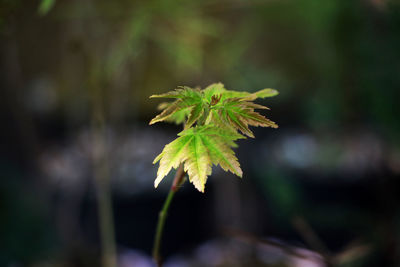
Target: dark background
<point>75,77</point>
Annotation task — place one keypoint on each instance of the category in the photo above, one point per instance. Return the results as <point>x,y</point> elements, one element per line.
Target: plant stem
<point>163,214</point>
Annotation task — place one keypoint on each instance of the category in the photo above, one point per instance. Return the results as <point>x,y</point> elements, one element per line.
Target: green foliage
<point>45,6</point>
<point>212,118</point>
<point>239,113</point>
<point>198,148</point>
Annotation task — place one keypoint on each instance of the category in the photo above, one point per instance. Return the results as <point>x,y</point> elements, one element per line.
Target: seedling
<point>213,119</point>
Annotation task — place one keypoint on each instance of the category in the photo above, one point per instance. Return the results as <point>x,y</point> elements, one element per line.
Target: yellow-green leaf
<point>240,114</point>
<point>194,115</point>
<point>176,106</point>
<point>187,100</point>
<point>177,117</point>
<point>180,92</point>
<point>198,148</point>
<point>266,93</point>
<point>213,89</point>
<point>192,105</point>
<point>172,155</point>
<point>198,163</point>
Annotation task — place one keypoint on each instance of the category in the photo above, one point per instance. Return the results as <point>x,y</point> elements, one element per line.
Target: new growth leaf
<point>212,120</point>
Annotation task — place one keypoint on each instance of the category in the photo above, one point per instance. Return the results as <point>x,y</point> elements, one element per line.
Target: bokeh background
<point>76,148</point>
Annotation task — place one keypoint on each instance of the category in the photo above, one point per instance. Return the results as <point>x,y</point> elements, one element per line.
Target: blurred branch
<point>102,175</point>
<point>351,253</point>
<point>252,239</point>
<point>312,239</point>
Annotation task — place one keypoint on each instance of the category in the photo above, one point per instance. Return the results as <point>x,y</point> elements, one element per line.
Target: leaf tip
<point>154,120</point>
<point>250,134</point>
<point>274,125</point>
<point>158,158</point>
<point>157,181</point>
<point>274,92</point>
<point>267,92</point>
<point>199,186</point>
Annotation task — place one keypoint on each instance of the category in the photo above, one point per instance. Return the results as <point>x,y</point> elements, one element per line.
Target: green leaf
<point>219,89</point>
<point>178,117</point>
<point>193,105</point>
<point>195,114</point>
<point>169,110</point>
<point>198,163</point>
<point>221,154</point>
<point>189,101</point>
<point>198,148</point>
<point>213,89</point>
<point>45,6</point>
<point>181,92</point>
<point>219,114</point>
<point>172,155</point>
<point>240,113</point>
<point>266,93</point>
<point>251,96</point>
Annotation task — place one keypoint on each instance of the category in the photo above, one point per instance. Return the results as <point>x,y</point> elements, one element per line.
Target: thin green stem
<point>160,228</point>
<point>163,214</point>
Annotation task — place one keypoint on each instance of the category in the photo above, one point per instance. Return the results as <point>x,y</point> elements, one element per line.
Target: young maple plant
<point>213,118</point>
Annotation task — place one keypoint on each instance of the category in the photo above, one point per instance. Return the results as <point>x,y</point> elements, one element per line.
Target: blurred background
<point>76,173</point>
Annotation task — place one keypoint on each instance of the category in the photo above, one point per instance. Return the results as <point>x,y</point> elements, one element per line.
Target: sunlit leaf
<point>187,100</point>
<point>182,92</point>
<point>198,162</point>
<point>178,117</point>
<point>266,93</point>
<point>219,89</point>
<point>198,148</point>
<point>213,89</point>
<point>212,119</point>
<point>192,105</point>
<point>195,114</point>
<point>240,114</point>
<point>167,112</point>
<point>252,96</point>
<point>172,155</point>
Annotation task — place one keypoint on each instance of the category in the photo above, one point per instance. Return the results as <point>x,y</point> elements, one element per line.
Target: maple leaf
<point>189,103</point>
<point>180,92</point>
<point>193,104</point>
<point>213,89</point>
<point>219,89</point>
<point>177,117</point>
<point>218,114</point>
<point>239,113</point>
<point>198,148</point>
